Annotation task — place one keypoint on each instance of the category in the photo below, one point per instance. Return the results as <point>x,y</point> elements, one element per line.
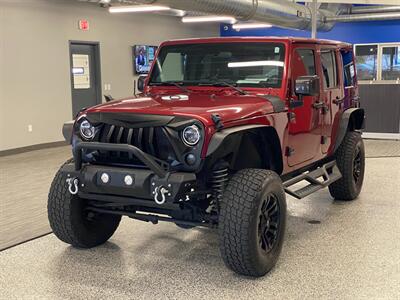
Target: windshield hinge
<point>217,122</point>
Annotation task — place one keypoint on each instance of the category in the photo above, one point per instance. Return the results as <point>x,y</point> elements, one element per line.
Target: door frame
<point>98,85</point>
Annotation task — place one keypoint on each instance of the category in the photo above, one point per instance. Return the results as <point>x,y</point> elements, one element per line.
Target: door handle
<point>318,105</point>
<point>338,101</point>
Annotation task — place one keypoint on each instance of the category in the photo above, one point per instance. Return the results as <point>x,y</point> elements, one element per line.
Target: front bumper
<point>153,183</point>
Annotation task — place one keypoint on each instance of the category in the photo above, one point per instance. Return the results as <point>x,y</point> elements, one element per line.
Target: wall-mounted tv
<point>143,58</point>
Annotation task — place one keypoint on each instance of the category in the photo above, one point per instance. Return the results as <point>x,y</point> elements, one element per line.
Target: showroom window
<point>391,63</point>
<point>378,62</point>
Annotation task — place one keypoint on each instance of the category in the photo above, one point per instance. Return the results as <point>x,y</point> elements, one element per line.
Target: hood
<point>200,106</point>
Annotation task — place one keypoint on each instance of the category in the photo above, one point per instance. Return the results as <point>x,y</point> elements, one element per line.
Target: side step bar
<point>317,179</point>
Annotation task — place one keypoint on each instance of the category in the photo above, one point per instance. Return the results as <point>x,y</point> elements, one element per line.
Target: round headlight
<point>87,130</point>
<point>191,135</point>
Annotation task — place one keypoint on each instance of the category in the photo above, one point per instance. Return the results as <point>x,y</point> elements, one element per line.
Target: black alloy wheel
<point>268,226</point>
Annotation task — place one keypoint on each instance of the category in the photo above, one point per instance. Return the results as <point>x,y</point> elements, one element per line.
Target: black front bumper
<point>146,183</point>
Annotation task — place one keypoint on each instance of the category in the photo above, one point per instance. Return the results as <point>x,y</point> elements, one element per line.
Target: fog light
<point>105,178</point>
<point>128,180</point>
<point>190,159</point>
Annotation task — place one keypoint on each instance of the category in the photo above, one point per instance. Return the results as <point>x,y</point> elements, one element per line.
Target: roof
<point>260,39</point>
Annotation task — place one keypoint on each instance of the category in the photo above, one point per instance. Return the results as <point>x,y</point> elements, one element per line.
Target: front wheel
<point>350,159</point>
<point>71,222</point>
<point>252,222</point>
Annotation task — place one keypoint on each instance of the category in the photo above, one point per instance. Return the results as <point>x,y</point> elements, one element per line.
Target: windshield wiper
<point>171,83</point>
<point>224,83</point>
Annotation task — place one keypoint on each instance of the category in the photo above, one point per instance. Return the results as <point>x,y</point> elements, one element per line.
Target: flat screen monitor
<point>143,57</point>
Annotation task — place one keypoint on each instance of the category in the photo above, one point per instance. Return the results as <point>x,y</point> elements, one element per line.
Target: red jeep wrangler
<point>224,127</point>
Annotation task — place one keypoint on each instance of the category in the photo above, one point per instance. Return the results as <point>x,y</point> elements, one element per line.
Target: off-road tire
<point>240,218</point>
<point>349,153</point>
<point>68,217</point>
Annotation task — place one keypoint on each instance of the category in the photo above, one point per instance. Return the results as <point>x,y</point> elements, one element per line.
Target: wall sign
<point>83,25</point>
<point>81,71</point>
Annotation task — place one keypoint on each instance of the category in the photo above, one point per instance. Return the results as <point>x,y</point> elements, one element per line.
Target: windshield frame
<point>283,45</point>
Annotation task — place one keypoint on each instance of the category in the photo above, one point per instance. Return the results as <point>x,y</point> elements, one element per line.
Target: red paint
<point>304,134</point>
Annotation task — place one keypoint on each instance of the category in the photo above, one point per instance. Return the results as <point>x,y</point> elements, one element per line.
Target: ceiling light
<point>251,25</point>
<point>230,20</point>
<point>137,8</point>
<point>255,64</point>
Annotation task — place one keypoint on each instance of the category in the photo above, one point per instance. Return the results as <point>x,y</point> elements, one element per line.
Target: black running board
<point>317,179</point>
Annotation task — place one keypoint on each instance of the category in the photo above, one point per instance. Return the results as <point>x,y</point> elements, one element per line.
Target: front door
<point>85,73</point>
<point>304,128</point>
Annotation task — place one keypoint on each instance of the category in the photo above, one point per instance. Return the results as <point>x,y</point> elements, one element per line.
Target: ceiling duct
<point>364,17</point>
<point>374,9</point>
<point>277,12</point>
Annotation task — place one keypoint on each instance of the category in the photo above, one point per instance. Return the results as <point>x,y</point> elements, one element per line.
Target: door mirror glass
<point>307,85</point>
<point>141,83</point>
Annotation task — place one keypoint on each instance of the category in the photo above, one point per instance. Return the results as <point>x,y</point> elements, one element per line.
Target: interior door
<point>85,73</point>
<point>304,128</point>
<point>332,93</point>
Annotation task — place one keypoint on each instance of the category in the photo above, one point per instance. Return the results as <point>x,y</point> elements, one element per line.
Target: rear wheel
<point>252,222</point>
<point>350,158</point>
<point>71,222</point>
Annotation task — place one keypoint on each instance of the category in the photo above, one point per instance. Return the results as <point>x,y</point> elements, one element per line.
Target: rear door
<point>304,128</point>
<point>332,93</point>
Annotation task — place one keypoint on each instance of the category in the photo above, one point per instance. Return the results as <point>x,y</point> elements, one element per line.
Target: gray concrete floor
<point>354,253</point>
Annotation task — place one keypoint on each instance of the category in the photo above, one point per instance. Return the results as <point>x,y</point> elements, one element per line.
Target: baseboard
<point>32,148</point>
<point>381,136</point>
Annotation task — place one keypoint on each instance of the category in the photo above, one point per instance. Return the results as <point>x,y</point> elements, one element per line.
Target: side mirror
<point>307,86</point>
<point>141,83</point>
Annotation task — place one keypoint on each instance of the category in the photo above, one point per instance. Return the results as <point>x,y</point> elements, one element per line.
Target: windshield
<point>238,64</point>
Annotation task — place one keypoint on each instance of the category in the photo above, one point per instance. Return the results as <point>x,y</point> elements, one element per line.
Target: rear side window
<point>304,62</point>
<point>329,68</point>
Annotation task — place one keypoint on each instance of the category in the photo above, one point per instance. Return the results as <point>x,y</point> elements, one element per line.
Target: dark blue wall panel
<point>355,33</point>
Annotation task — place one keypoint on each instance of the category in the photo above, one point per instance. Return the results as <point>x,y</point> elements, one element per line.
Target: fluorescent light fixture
<point>200,19</point>
<point>251,25</point>
<point>245,64</point>
<point>137,8</point>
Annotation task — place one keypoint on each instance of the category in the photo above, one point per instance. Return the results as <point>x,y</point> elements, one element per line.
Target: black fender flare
<point>67,131</point>
<point>353,117</point>
<point>217,140</point>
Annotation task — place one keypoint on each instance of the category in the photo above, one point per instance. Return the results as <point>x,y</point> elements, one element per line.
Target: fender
<point>218,138</point>
<point>231,138</point>
<point>353,118</point>
<point>67,130</point>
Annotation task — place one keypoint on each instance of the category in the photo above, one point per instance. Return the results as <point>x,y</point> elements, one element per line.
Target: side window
<point>304,63</point>
<point>329,68</point>
<point>348,67</point>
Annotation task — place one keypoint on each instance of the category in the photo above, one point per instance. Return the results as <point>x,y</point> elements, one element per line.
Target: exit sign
<point>84,25</point>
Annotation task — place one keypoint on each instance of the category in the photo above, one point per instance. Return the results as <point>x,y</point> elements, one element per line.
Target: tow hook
<point>159,195</point>
<point>73,184</point>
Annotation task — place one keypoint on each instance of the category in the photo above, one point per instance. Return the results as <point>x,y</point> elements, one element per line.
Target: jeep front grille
<point>152,140</point>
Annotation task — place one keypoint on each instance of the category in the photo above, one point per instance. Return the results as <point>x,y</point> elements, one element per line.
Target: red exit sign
<point>83,25</point>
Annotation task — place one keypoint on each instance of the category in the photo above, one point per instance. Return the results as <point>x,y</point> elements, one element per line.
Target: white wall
<point>34,60</point>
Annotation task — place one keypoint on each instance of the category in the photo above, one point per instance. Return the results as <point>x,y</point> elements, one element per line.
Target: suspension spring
<point>219,179</point>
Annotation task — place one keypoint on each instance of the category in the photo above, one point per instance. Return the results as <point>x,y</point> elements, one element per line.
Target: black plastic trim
<point>219,137</point>
<point>344,124</point>
<point>277,103</point>
<point>67,131</point>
